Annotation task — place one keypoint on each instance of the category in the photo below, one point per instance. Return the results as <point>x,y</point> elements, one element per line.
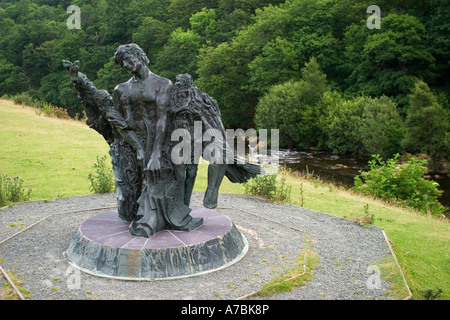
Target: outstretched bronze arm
<point>99,106</point>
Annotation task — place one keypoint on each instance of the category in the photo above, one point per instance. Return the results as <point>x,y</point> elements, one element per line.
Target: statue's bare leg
<point>191,174</point>
<point>216,172</point>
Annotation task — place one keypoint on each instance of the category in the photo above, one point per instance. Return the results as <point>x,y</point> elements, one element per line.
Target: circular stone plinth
<point>103,246</point>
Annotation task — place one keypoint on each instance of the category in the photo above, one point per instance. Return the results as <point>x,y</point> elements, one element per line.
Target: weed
<point>302,200</point>
<point>102,181</point>
<point>11,190</point>
<point>266,185</point>
<point>431,294</point>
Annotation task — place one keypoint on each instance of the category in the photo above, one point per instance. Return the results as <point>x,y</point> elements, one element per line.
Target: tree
<point>390,58</point>
<point>182,10</point>
<point>223,74</point>
<point>110,76</point>
<point>436,38</point>
<point>179,55</point>
<point>342,126</point>
<point>364,126</point>
<point>151,36</point>
<point>427,122</point>
<point>382,129</point>
<point>292,107</point>
<point>224,70</point>
<point>11,81</point>
<point>204,22</point>
<point>277,63</point>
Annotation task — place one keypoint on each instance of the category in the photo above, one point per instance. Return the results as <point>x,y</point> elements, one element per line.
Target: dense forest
<point>311,68</point>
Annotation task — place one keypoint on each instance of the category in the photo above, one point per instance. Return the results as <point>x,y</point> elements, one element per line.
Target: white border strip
<point>398,265</point>
<point>12,283</point>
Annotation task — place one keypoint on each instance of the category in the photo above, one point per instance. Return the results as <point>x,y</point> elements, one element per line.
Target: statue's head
<point>129,52</point>
<point>184,81</point>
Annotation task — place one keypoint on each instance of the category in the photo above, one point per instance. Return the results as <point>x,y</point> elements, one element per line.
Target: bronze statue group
<point>154,176</point>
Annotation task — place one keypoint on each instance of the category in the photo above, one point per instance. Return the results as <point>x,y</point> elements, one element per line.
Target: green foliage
<point>292,108</point>
<point>179,55</point>
<point>431,294</point>
<point>46,108</point>
<point>382,129</point>
<point>244,53</point>
<point>263,185</point>
<point>404,182</point>
<point>110,75</point>
<point>427,122</point>
<point>102,181</point>
<point>23,99</point>
<point>223,74</point>
<point>267,186</point>
<point>342,124</point>
<point>385,62</point>
<point>11,190</point>
<point>277,63</point>
<point>152,35</point>
<point>363,126</point>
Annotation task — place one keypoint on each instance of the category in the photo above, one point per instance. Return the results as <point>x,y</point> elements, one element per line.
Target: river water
<point>341,169</point>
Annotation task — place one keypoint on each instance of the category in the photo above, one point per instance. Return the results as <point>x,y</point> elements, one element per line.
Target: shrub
<point>391,180</point>
<point>293,108</point>
<point>102,181</point>
<point>48,109</point>
<point>23,99</point>
<point>266,185</point>
<point>54,112</point>
<point>342,125</point>
<point>427,122</point>
<point>11,190</point>
<point>363,126</point>
<point>382,129</point>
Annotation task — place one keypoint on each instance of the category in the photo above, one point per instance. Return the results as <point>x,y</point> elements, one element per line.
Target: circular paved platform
<point>103,246</point>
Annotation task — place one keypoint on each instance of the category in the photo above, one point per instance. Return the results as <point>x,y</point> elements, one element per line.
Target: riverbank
<point>342,170</point>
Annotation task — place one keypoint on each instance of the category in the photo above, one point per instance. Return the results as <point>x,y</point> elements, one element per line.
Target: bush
<point>11,190</point>
<point>48,109</point>
<point>427,123</point>
<point>382,129</point>
<point>266,185</point>
<point>293,108</point>
<point>53,111</point>
<point>103,179</point>
<point>363,126</point>
<point>23,99</point>
<point>391,180</point>
<point>342,125</point>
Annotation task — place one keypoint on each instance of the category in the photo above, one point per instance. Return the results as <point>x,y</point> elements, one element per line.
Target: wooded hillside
<point>311,68</point>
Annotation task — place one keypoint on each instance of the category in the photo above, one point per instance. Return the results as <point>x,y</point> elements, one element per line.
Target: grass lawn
<point>55,156</point>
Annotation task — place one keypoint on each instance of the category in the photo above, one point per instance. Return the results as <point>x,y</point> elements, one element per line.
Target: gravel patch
<point>276,235</point>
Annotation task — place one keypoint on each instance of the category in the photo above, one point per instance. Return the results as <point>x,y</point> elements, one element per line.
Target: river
<point>341,169</point>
